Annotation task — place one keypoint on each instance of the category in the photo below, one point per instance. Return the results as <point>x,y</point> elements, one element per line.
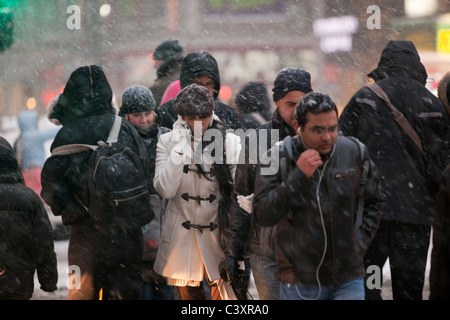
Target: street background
<point>337,41</point>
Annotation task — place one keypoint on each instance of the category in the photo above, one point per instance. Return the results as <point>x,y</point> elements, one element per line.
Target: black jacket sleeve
<point>43,251</point>
<point>270,203</point>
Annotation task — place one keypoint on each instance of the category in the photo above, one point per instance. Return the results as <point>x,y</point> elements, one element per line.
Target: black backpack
<point>119,197</point>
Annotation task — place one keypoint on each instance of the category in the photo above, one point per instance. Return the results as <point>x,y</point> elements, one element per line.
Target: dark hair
<point>313,102</point>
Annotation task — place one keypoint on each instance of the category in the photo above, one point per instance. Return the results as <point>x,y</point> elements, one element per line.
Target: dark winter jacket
<point>168,72</point>
<point>440,256</point>
<point>197,64</point>
<point>402,76</point>
<point>153,231</point>
<point>87,116</point>
<point>243,231</point>
<point>298,210</point>
<point>26,239</point>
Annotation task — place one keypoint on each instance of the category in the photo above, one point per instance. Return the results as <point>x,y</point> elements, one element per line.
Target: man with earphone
<point>320,245</point>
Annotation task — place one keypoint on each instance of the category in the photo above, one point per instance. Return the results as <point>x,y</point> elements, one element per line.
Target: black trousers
<point>406,246</point>
<point>118,265</point>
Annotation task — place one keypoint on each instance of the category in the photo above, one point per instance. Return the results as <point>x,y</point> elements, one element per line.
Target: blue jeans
<point>352,290</point>
<point>264,270</point>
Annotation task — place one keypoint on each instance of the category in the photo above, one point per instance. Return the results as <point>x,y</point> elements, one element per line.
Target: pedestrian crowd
<point>304,198</point>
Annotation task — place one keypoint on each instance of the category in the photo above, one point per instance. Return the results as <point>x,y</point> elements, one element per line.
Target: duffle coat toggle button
<point>187,224</point>
<point>186,197</point>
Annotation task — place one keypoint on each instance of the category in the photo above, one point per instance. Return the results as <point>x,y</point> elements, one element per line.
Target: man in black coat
<point>244,236</point>
<point>85,111</point>
<point>404,232</point>
<point>201,68</point>
<point>26,239</point>
<point>321,236</point>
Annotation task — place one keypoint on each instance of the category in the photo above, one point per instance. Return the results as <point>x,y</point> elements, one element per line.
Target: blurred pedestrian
<point>167,60</point>
<point>321,234</point>
<point>26,239</point>
<point>200,68</point>
<point>404,233</point>
<point>110,261</point>
<point>29,148</point>
<point>444,91</point>
<point>199,194</point>
<point>440,255</point>
<point>138,106</point>
<point>254,105</point>
<point>244,236</point>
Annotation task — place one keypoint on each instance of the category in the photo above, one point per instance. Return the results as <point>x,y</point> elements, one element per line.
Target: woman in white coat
<point>196,174</point>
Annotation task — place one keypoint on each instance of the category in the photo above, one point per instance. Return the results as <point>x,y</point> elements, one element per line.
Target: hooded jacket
<point>197,64</point>
<point>402,76</point>
<point>26,239</point>
<point>307,207</point>
<point>86,113</point>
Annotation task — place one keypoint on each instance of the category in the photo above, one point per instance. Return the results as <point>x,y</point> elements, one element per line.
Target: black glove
<point>227,268</point>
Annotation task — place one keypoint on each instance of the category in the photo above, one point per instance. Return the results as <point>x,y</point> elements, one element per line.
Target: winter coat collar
<point>279,123</point>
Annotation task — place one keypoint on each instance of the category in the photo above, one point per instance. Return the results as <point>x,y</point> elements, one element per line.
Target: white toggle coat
<point>186,256</point>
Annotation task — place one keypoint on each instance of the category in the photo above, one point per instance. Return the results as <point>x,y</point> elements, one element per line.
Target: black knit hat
<point>137,98</point>
<point>253,97</point>
<point>290,79</point>
<point>167,49</point>
<point>194,100</point>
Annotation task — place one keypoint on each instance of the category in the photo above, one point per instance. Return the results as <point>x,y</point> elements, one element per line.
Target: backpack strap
<point>78,147</point>
<point>398,117</point>
<point>362,182</point>
<point>114,132</point>
<point>71,149</point>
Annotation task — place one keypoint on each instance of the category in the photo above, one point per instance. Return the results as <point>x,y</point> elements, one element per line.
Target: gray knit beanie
<point>137,98</point>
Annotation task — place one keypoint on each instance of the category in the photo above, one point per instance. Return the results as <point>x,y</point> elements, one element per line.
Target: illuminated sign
<point>443,41</point>
<point>335,33</point>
